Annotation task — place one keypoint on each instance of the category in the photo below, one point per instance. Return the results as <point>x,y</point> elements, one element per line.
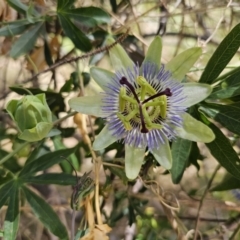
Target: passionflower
<point>145,106</point>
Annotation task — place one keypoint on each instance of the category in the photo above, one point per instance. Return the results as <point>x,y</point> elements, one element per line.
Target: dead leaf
<point>38,58</point>
<point>80,120</point>
<point>6,45</point>
<point>6,12</point>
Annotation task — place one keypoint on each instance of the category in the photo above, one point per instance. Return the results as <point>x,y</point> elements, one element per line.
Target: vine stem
<point>202,199</point>
<point>63,118</point>
<point>97,165</point>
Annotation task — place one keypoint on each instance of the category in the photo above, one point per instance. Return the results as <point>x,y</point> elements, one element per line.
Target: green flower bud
<point>32,117</point>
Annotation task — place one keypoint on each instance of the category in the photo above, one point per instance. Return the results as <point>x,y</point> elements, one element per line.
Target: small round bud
<point>32,117</point>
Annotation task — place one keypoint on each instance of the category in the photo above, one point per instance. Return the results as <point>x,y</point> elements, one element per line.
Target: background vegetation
<point>48,47</point>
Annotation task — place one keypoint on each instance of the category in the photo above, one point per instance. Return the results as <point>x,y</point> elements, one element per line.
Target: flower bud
<point>32,117</point>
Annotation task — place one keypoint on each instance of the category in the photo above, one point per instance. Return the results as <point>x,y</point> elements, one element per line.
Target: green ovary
<point>153,111</point>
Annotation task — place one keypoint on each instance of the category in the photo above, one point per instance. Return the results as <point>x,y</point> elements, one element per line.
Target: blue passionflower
<point>145,106</point>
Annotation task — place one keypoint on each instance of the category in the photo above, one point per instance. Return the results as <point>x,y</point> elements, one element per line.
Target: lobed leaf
<point>45,214</point>
<point>65,165</point>
<point>45,161</point>
<point>75,34</point>
<point>14,28</point>
<point>51,178</point>
<point>11,221</point>
<point>89,16</point>
<point>5,192</point>
<point>63,4</point>
<point>27,41</point>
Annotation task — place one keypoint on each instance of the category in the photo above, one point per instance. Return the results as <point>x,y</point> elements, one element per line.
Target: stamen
<point>124,81</point>
<point>166,92</point>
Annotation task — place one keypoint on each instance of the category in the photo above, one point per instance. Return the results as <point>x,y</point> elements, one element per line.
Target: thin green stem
<point>63,118</point>
<point>3,160</point>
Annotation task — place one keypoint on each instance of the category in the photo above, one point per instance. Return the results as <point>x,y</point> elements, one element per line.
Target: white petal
<point>133,161</point>
<point>194,130</point>
<point>163,154</point>
<point>91,105</point>
<point>195,93</point>
<point>104,139</point>
<point>154,52</point>
<point>101,76</point>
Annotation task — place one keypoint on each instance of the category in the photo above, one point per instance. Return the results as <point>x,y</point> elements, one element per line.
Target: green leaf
<point>181,150</point>
<point>17,5</point>
<point>12,217</point>
<point>20,7</point>
<point>221,57</point>
<point>118,172</point>
<point>75,34</point>
<point>195,155</point>
<point>51,178</point>
<point>5,175</point>
<point>81,233</point>
<point>227,115</point>
<point>89,16</point>
<point>45,161</point>
<point>181,64</point>
<point>67,87</point>
<point>14,28</point>
<point>63,4</point>
<point>27,41</point>
<point>5,192</point>
<point>230,87</point>
<point>228,183</point>
<point>65,165</point>
<point>45,214</point>
<point>11,164</point>
<point>223,152</point>
<point>36,152</point>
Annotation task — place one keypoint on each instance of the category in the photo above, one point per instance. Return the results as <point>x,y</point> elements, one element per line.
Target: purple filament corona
<point>167,92</point>
<point>163,84</point>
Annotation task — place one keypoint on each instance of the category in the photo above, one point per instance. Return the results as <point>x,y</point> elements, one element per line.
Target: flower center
<point>142,107</point>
